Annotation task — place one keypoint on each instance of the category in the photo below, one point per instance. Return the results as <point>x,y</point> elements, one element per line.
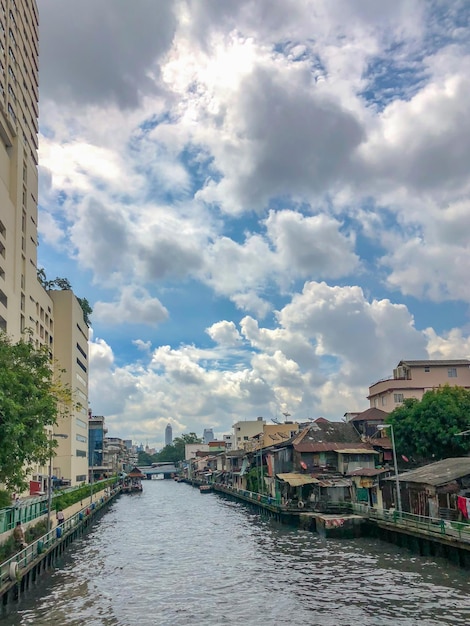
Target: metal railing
<point>433,526</point>
<point>408,521</point>
<point>11,568</point>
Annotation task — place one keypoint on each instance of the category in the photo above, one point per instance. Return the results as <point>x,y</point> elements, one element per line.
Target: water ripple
<point>172,556</point>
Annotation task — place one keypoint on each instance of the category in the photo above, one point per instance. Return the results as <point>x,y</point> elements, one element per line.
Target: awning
<point>296,480</point>
<point>338,482</point>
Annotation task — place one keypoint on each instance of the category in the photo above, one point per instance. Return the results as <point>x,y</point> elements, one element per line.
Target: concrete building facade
<point>243,431</point>
<point>27,309</point>
<point>411,379</point>
<point>208,435</point>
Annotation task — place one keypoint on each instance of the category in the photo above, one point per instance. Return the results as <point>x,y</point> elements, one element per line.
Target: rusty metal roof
<point>373,414</point>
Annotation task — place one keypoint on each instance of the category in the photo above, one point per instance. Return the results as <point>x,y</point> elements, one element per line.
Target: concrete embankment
<point>25,568</point>
<point>423,536</point>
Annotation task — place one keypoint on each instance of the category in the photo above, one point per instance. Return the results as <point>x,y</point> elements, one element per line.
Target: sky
<point>266,203</point>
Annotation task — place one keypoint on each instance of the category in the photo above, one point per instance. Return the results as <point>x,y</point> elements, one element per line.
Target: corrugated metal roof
<point>373,413</point>
<point>356,451</point>
<point>296,480</point>
<point>435,363</point>
<point>333,446</point>
<point>438,473</point>
<point>367,471</point>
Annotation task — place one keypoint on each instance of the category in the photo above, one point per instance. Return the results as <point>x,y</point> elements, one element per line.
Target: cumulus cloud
<point>302,145</point>
<point>454,344</point>
<point>135,306</point>
<point>246,149</point>
<point>118,62</point>
<point>423,143</point>
<point>224,333</point>
<point>311,246</point>
<point>345,325</point>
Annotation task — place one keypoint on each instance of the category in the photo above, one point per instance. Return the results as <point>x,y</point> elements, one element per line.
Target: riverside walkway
<point>23,568</point>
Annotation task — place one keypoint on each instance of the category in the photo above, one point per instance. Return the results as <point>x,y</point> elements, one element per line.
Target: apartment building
<point>411,379</point>
<point>243,431</point>
<point>27,310</point>
<point>24,304</point>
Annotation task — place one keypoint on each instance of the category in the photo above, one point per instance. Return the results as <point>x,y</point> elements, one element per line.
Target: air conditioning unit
<point>401,372</point>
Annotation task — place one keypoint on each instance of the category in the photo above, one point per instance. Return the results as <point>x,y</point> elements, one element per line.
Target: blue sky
<point>266,204</point>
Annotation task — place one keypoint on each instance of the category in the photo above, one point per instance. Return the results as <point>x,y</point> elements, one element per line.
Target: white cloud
<point>453,344</point>
<point>224,333</point>
<point>135,306</point>
<point>311,246</point>
<point>249,146</point>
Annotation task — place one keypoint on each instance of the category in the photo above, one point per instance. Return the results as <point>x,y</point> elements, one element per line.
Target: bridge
<point>168,470</point>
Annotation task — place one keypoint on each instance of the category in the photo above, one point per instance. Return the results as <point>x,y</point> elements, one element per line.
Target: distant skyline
<point>267,204</point>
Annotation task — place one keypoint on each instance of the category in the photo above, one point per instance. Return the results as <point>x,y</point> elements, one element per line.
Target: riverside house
<point>440,490</point>
<point>312,467</point>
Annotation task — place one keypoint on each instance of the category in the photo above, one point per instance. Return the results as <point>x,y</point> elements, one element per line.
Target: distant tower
<point>168,435</point>
<point>208,435</point>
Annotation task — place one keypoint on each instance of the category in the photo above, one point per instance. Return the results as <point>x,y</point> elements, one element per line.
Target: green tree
<point>169,454</point>
<point>64,285</point>
<point>426,429</point>
<point>180,442</point>
<point>144,458</point>
<point>175,452</point>
<point>87,310</point>
<point>31,398</point>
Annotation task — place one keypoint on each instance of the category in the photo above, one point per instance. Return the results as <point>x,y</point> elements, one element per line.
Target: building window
<point>452,372</point>
<point>81,438</point>
<point>81,453</point>
<point>427,368</point>
<point>3,299</point>
<point>81,423</point>
<point>384,400</point>
<point>81,478</point>
<point>3,324</point>
<point>11,112</point>
<point>80,364</point>
<point>398,398</point>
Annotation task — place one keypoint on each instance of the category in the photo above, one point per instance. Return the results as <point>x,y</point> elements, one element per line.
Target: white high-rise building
<point>50,318</point>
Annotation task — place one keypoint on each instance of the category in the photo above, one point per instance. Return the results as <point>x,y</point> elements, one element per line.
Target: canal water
<point>172,556</point>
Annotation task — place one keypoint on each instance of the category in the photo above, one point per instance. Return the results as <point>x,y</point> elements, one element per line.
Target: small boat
<point>205,488</point>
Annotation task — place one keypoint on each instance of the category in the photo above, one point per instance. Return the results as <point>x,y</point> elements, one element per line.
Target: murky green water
<point>172,556</point>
